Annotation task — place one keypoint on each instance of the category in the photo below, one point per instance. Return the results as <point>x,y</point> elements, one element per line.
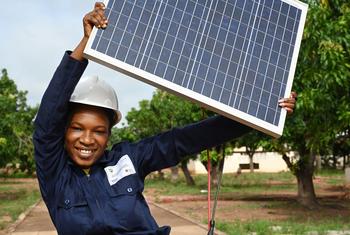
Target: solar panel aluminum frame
<point>211,104</point>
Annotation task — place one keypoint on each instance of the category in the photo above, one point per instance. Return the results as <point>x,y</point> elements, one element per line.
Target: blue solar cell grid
<point>236,52</point>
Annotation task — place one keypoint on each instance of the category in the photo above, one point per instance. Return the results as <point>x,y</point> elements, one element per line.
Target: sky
<point>36,33</point>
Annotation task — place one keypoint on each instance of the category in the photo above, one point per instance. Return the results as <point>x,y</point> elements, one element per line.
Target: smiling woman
<point>91,190</point>
<point>87,134</point>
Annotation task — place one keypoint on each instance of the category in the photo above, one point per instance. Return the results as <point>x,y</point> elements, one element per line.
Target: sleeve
<point>167,149</point>
<point>50,122</point>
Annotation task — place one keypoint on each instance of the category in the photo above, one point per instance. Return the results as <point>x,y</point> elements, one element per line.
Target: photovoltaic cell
<point>235,57</point>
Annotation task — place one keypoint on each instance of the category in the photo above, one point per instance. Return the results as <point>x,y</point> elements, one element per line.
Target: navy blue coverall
<point>95,203</point>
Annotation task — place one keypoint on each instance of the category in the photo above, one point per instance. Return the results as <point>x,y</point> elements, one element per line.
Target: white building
<point>268,162</point>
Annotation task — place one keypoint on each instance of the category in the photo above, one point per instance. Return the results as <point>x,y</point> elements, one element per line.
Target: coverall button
<point>129,190</point>
<point>66,201</point>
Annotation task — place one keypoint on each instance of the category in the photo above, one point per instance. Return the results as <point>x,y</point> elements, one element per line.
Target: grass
<point>335,181</point>
<point>15,199</point>
<point>167,187</point>
<point>296,220</point>
<point>245,183</point>
<point>333,177</point>
<point>16,175</point>
<point>330,172</point>
<point>265,227</point>
<point>294,225</point>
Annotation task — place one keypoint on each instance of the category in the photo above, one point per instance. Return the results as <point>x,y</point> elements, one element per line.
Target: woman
<point>87,189</point>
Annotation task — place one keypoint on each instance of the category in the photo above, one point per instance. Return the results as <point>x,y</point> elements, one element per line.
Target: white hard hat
<point>94,91</point>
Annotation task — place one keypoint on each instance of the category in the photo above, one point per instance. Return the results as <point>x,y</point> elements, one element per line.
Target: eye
<point>76,128</point>
<point>100,132</point>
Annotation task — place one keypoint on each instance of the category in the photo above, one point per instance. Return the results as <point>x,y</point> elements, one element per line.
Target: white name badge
<point>124,167</point>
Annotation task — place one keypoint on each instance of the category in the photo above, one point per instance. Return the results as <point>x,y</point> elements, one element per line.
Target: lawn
<point>244,184</point>
<point>259,203</point>
<point>16,196</point>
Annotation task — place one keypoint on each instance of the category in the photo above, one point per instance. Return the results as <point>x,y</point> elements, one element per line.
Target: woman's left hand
<point>288,103</point>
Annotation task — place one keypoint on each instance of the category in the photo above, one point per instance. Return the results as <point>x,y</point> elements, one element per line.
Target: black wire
<point>221,171</point>
<point>212,227</point>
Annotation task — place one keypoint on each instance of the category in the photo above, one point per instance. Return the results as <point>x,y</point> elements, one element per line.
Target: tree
<point>15,125</point>
<point>217,156</point>
<point>322,81</point>
<point>251,141</point>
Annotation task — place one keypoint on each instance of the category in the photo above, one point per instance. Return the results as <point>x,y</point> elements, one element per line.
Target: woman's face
<point>87,135</point>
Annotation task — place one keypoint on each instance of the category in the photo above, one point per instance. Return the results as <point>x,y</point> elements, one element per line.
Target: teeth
<point>85,151</point>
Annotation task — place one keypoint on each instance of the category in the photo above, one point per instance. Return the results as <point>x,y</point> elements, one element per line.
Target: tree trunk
<point>318,163</point>
<point>214,175</point>
<point>347,175</point>
<point>174,173</point>
<point>188,177</point>
<point>304,175</point>
<point>335,161</point>
<point>160,175</point>
<point>251,163</point>
<point>213,172</point>
<point>306,190</point>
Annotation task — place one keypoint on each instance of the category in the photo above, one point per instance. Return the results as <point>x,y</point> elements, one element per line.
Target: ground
<point>266,207</point>
<point>16,195</point>
<point>279,205</point>
<point>270,205</point>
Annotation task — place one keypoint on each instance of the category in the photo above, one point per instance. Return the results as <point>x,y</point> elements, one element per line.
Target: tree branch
<point>287,160</point>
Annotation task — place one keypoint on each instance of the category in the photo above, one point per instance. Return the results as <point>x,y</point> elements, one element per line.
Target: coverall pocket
<point>68,202</point>
<point>129,185</point>
<point>73,214</point>
<point>127,202</point>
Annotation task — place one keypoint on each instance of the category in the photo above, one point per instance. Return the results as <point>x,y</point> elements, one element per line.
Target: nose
<point>87,138</point>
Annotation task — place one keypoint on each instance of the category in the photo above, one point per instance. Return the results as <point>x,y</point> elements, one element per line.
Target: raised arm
<point>50,122</point>
<point>168,148</point>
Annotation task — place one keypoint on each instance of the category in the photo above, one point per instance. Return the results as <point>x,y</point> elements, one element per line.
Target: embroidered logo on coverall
<point>124,167</point>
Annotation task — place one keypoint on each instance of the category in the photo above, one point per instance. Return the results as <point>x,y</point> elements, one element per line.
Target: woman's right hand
<point>96,18</point>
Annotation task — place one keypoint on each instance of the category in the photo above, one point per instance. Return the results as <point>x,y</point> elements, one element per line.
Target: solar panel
<point>235,57</point>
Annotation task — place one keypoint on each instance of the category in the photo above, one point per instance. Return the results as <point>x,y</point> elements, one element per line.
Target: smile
<point>85,153</point>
